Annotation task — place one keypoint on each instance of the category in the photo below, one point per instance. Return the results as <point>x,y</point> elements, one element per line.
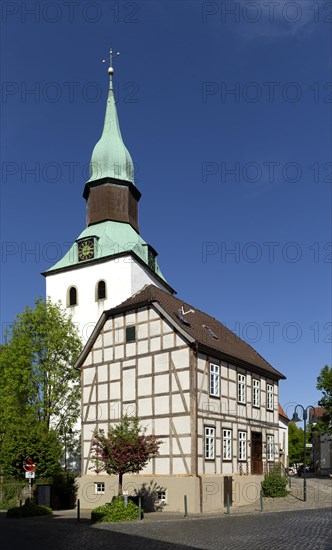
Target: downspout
<point>200,480</point>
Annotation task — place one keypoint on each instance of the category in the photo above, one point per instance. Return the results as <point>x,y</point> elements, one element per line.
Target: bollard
<point>125,500</point>
<point>139,509</point>
<point>21,509</point>
<point>78,509</point>
<point>185,507</point>
<point>262,502</point>
<point>227,502</point>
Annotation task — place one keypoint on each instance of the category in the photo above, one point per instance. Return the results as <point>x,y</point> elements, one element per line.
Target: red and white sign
<point>29,466</point>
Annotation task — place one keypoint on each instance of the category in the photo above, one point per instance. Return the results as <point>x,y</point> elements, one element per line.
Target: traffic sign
<point>29,466</point>
<point>30,475</point>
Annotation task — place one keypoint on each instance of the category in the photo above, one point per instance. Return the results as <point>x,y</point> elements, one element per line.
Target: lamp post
<point>64,432</point>
<point>314,421</point>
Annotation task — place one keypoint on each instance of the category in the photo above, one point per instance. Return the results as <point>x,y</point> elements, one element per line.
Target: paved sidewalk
<point>319,495</point>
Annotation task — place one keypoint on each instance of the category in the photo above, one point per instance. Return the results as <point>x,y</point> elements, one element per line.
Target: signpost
<point>30,474</point>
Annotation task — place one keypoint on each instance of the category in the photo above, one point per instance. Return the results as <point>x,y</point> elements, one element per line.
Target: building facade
<point>210,398</point>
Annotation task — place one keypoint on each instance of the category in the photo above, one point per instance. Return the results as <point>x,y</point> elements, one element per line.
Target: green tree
<point>124,449</point>
<point>324,383</point>
<point>34,442</point>
<point>39,389</point>
<point>296,444</point>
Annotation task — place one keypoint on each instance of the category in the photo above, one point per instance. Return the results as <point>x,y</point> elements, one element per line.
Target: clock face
<point>86,250</point>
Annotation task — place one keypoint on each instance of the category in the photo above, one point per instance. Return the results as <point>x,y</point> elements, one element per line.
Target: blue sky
<point>226,110</point>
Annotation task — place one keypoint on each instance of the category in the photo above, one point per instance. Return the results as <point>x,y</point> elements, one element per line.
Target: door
<point>256,453</point>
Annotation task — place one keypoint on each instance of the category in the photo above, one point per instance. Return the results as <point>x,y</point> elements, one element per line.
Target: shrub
<point>11,491</point>
<point>29,509</point>
<point>274,484</point>
<point>116,511</point>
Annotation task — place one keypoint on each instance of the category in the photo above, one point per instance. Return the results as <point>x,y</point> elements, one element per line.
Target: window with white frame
<point>241,388</point>
<point>270,447</point>
<point>256,393</point>
<point>227,444</point>
<point>242,450</point>
<point>99,488</point>
<point>161,496</point>
<point>269,397</point>
<point>214,380</point>
<point>210,436</point>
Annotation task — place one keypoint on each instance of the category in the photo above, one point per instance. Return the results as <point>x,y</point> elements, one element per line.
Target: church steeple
<point>109,261</point>
<point>110,157</point>
<point>110,192</point>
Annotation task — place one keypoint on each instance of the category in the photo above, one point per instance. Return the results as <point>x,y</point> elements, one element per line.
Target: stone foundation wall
<point>204,493</point>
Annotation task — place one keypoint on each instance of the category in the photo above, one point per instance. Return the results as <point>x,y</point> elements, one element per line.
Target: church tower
<point>109,261</point>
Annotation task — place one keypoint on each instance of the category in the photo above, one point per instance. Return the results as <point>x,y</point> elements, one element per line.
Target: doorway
<point>256,453</point>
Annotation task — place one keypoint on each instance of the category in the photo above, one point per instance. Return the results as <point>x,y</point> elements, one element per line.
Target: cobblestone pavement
<point>287,523</point>
<point>286,530</point>
<point>300,530</point>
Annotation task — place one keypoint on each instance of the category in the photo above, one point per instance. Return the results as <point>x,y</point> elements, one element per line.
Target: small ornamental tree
<point>124,449</point>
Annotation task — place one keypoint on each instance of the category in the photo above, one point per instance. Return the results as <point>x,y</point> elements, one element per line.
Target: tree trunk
<point>120,485</point>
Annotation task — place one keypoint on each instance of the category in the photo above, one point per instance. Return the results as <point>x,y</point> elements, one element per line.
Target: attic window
<point>210,332</point>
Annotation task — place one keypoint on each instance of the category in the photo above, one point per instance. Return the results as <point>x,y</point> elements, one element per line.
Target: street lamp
<point>314,421</point>
<point>64,432</point>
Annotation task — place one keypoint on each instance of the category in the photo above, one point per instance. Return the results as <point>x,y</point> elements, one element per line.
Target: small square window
<point>99,488</point>
<point>161,496</point>
<point>130,334</point>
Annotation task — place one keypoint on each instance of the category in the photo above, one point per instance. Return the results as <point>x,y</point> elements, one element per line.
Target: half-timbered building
<point>210,397</point>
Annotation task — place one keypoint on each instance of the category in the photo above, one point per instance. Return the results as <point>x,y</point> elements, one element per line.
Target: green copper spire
<point>110,157</point>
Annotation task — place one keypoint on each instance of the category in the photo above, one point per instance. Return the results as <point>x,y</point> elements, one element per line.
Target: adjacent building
<point>283,437</point>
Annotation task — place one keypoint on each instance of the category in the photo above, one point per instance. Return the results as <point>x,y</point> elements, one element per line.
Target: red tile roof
<point>282,412</point>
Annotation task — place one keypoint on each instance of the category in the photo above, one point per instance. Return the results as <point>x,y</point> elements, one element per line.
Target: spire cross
<point>110,69</point>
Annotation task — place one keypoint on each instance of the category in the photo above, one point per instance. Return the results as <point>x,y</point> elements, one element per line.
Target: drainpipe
<point>196,442</point>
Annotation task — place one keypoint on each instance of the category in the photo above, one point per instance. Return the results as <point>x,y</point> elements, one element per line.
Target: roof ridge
<point>226,342</point>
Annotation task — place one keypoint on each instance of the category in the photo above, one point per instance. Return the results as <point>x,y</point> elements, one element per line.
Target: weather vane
<point>110,68</point>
